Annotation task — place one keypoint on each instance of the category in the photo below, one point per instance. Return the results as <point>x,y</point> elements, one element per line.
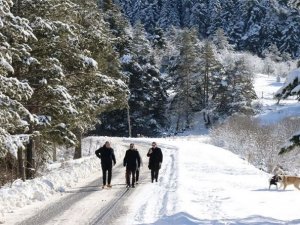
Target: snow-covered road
<point>204,184</point>
<point>198,184</point>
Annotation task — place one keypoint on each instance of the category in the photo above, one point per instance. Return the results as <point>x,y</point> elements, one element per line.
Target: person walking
<point>132,162</point>
<point>155,160</point>
<point>137,174</point>
<point>108,159</point>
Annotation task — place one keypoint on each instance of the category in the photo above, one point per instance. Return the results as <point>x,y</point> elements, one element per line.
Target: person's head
<point>154,144</point>
<point>107,144</point>
<point>131,146</point>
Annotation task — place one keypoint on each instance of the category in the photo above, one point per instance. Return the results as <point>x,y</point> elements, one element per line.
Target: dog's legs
<point>284,186</point>
<point>297,186</point>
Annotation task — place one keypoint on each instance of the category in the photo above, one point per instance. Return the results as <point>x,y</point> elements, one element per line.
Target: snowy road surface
<point>198,184</point>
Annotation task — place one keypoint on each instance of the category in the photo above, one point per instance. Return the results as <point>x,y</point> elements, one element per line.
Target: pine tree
<point>220,40</point>
<point>211,71</point>
<point>77,68</point>
<point>147,100</point>
<point>236,90</point>
<point>183,70</point>
<point>14,117</point>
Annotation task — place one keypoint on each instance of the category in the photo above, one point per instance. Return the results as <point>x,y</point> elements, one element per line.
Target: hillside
<point>249,25</point>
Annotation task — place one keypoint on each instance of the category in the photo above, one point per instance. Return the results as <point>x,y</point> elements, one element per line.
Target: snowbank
<point>59,177</point>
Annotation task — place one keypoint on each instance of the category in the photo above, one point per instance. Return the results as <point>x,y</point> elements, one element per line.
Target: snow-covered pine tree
<point>220,40</point>
<point>211,75</point>
<point>78,69</point>
<point>236,90</point>
<point>183,70</point>
<point>250,25</point>
<point>169,14</point>
<point>147,98</point>
<point>291,87</point>
<point>56,50</point>
<point>14,117</point>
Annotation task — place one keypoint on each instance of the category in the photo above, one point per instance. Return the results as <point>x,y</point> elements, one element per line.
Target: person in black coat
<point>137,174</point>
<point>155,159</point>
<point>108,159</point>
<point>132,162</point>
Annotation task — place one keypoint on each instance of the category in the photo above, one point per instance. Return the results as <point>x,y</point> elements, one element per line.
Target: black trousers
<point>130,173</point>
<point>154,174</point>
<point>137,175</point>
<point>107,170</point>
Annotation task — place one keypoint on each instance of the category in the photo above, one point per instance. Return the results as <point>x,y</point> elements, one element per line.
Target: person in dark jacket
<point>155,159</point>
<point>108,159</point>
<point>137,174</point>
<point>132,162</point>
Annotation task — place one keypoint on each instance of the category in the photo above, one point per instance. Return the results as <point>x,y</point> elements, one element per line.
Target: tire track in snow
<point>156,199</point>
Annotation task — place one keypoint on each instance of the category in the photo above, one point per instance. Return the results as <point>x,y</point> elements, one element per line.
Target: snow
<point>265,88</point>
<point>6,65</point>
<point>88,61</point>
<point>126,59</point>
<point>292,76</point>
<point>204,184</point>
<point>198,184</point>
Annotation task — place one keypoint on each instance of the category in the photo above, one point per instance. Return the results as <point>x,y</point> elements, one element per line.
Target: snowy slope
<point>265,88</point>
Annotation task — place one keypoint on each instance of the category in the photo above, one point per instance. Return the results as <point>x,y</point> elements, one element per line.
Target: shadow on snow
<point>186,219</point>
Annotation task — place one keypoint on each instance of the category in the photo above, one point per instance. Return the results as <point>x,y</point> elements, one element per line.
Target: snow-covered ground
<point>204,184</point>
<point>265,88</point>
<point>198,184</point>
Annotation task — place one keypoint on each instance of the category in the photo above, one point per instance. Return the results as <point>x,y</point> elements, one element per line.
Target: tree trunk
<point>30,159</point>
<point>129,122</point>
<point>21,167</point>
<point>54,156</point>
<point>78,149</point>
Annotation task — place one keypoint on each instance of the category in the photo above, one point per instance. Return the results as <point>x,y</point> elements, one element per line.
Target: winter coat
<point>155,158</point>
<point>107,156</point>
<point>132,159</point>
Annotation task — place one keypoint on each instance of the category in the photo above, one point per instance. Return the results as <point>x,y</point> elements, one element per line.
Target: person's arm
<point>161,156</point>
<point>125,159</point>
<point>138,158</point>
<point>149,152</point>
<point>98,153</point>
<point>113,156</point>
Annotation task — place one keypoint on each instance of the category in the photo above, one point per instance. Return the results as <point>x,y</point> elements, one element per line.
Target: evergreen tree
<point>147,100</point>
<point>220,40</point>
<point>183,70</point>
<point>236,90</point>
<point>14,117</point>
<point>211,71</point>
<point>77,68</point>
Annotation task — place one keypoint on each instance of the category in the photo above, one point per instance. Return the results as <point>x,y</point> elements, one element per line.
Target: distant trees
<point>249,25</point>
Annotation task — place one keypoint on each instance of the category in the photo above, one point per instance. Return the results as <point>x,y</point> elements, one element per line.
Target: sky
<point>198,184</point>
